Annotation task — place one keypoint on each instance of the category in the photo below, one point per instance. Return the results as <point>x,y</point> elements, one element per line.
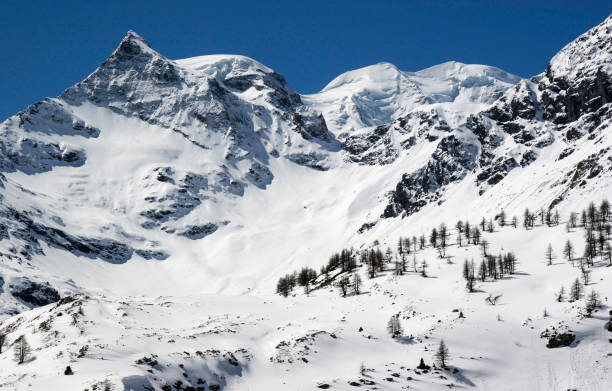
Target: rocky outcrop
<point>33,293</point>
<point>449,163</point>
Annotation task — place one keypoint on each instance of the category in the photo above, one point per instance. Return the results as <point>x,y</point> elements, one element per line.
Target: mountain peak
<point>587,55</point>
<point>225,65</point>
<point>131,45</point>
<point>133,36</point>
<point>369,76</point>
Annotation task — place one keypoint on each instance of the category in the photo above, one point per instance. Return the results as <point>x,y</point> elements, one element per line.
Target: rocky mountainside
<point>208,172</point>
<point>147,213</point>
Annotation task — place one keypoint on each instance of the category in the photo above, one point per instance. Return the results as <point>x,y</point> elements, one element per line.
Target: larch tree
<point>575,290</point>
<point>604,210</point>
<point>356,283</point>
<point>586,276</point>
<point>482,271</point>
<point>608,252</point>
<point>561,294</point>
<point>2,339</point>
<point>343,284</point>
<point>433,238</point>
<point>443,234</point>
<point>424,268</point>
<point>475,235</point>
<point>394,327</point>
<point>550,255</point>
<point>442,354</point>
<point>526,218</point>
<point>573,220</point>
<point>459,226</point>
<point>484,244</point>
<point>21,350</point>
<point>592,302</point>
<point>568,251</point>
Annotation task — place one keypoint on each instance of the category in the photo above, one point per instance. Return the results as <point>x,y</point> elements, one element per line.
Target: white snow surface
<point>378,94</point>
<point>301,342</point>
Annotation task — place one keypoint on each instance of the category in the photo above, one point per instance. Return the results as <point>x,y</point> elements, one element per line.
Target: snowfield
<point>150,214</point>
<point>301,342</point>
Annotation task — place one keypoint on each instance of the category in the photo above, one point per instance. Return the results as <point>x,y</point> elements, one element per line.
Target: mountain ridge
<point>178,154</point>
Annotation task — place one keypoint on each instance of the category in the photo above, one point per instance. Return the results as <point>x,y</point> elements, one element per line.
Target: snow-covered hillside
<point>205,180</point>
<point>322,340</point>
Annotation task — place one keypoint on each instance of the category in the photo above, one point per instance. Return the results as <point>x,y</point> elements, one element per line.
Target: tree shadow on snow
<point>520,274</point>
<point>405,340</point>
<point>460,377</point>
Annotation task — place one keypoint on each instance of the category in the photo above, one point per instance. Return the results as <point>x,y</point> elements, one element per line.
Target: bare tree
<point>484,244</point>
<point>568,251</point>
<point>586,276</point>
<point>356,284</point>
<point>573,218</point>
<point>592,302</point>
<point>561,294</point>
<point>442,354</point>
<point>492,300</point>
<point>343,284</point>
<point>394,327</point>
<point>549,254</point>
<point>608,253</point>
<point>475,235</point>
<point>575,290</point>
<point>21,350</point>
<point>2,339</point>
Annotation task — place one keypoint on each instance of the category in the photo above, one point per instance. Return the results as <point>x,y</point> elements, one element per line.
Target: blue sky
<point>47,46</point>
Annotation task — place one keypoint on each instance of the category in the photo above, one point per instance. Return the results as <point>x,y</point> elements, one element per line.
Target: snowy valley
<point>152,215</point>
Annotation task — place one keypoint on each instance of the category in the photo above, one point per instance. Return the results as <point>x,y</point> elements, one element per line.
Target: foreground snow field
<point>150,212</point>
<point>302,342</point>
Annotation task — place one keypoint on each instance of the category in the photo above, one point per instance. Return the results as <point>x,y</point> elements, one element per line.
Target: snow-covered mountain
<point>381,93</point>
<point>210,177</point>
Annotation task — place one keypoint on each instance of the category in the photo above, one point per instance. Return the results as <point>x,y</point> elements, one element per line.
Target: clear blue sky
<point>47,46</point>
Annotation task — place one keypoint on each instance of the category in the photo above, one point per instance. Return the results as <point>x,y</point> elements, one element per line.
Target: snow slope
<point>268,342</point>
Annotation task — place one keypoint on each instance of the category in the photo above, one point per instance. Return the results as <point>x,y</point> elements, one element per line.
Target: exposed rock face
<point>570,100</point>
<point>450,162</point>
<point>33,293</point>
<point>25,144</point>
<point>187,98</point>
<point>578,80</point>
<point>559,340</point>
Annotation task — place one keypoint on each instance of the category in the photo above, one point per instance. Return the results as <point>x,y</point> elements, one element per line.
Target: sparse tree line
<point>341,267</point>
<point>490,267</point>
